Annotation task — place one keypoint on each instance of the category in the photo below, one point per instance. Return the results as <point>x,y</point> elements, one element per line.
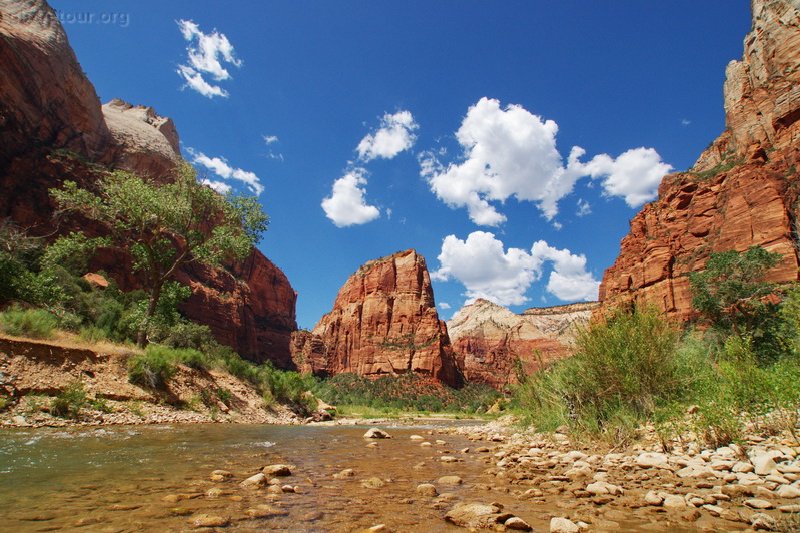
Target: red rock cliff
<point>742,191</point>
<point>488,339</point>
<point>53,128</point>
<point>383,322</point>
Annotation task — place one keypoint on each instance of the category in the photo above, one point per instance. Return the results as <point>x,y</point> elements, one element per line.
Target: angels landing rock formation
<point>53,128</point>
<point>383,322</point>
<point>741,192</point>
<point>490,341</point>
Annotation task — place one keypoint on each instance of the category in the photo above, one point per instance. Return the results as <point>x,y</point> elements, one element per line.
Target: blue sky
<point>447,126</point>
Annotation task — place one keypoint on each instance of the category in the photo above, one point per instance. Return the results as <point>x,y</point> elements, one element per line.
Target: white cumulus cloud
<point>510,152</point>
<point>395,134</point>
<point>487,270</point>
<point>221,167</point>
<point>569,280</point>
<point>346,206</point>
<point>206,54</point>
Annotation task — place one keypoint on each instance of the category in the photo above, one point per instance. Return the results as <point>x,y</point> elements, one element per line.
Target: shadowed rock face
<point>383,322</point>
<point>742,191</point>
<point>491,342</point>
<point>53,128</point>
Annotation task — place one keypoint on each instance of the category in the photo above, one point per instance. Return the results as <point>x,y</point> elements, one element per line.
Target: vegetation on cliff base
<point>163,226</point>
<point>405,393</point>
<point>634,367</point>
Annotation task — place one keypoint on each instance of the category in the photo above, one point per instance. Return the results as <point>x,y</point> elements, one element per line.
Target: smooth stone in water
<point>375,433</point>
<point>208,520</point>
<point>426,489</point>
<point>277,470</point>
<point>563,525</point>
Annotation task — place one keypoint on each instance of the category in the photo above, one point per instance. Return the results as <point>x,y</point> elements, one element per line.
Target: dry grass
<point>65,339</point>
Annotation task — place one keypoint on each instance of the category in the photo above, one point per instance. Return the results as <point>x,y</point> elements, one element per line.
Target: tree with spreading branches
<point>164,226</point>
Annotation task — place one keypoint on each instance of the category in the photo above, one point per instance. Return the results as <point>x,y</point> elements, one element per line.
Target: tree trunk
<point>141,336</point>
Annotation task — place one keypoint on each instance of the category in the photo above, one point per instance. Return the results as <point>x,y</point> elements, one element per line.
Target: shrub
<point>622,370</point>
<point>34,323</point>
<point>69,403</point>
<point>153,368</point>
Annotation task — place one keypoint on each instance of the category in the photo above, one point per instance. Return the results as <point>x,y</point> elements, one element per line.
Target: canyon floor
<point>429,476</point>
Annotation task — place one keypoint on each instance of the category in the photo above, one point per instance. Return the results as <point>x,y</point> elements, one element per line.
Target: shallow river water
<point>157,478</point>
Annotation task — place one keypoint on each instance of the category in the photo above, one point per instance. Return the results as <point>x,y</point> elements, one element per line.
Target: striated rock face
<point>44,94</point>
<point>742,191</point>
<point>489,340</point>
<point>145,143</point>
<point>383,322</point>
<point>52,129</point>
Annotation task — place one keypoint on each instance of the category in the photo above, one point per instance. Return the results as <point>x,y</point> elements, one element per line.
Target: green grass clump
<point>34,323</point>
<point>69,403</point>
<point>622,370</point>
<point>153,368</point>
<point>404,393</point>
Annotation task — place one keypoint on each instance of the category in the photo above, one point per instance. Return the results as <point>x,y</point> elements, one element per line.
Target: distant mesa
<point>383,322</point>
<point>493,344</point>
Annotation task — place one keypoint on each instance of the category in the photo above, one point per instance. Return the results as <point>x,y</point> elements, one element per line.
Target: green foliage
<point>69,403</point>
<point>623,369</point>
<point>72,252</point>
<point>34,323</point>
<point>101,404</point>
<point>153,368</point>
<point>407,392</point>
<point>164,226</point>
<point>733,297</point>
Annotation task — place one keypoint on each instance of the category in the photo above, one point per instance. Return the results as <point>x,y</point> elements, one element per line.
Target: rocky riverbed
<point>443,476</point>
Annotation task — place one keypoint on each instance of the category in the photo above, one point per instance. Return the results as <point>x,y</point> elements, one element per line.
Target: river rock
<point>653,460</point>
<point>764,464</point>
<point>762,521</point>
<point>373,483</point>
<point>427,489</point>
<point>674,501</point>
<point>600,488</point>
<point>209,520</point>
<point>757,503</point>
<point>450,480</point>
<point>516,523</point>
<point>254,482</point>
<point>417,437</point>
<point>563,525</point>
<point>277,470</point>
<point>347,472</point>
<point>220,475</point>
<point>474,515</point>
<point>652,498</point>
<point>265,511</point>
<point>788,492</point>
<point>375,433</point>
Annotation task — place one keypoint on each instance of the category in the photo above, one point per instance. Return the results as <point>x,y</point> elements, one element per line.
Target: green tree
<point>164,226</point>
<point>733,297</point>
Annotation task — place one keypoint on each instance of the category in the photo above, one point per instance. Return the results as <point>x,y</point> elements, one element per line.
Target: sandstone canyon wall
<point>383,322</point>
<point>489,340</point>
<point>743,190</point>
<point>53,128</point>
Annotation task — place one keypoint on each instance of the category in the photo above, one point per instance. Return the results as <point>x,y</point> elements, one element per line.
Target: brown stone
<point>742,190</point>
<point>53,129</point>
<point>383,322</point>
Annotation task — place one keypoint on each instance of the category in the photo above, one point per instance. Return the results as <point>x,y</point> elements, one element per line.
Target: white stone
<point>764,465</point>
<point>563,525</point>
<point>788,492</point>
<point>674,501</point>
<point>653,460</point>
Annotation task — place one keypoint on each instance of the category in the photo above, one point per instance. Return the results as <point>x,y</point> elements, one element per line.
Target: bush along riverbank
<point>738,369</point>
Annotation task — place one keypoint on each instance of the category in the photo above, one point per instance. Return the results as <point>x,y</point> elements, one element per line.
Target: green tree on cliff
<point>164,226</point>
